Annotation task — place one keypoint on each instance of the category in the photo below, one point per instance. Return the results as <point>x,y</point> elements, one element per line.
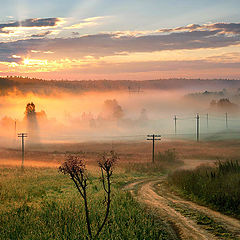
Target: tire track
<point>162,201</point>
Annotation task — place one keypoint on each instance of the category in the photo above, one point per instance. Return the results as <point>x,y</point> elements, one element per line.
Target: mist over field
<point>130,112</point>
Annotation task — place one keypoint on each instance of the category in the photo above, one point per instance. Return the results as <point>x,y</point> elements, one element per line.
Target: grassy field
<point>129,151</point>
<point>217,187</point>
<point>43,204</point>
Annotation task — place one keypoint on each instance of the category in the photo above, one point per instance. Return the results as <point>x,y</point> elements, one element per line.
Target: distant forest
<point>24,85</point>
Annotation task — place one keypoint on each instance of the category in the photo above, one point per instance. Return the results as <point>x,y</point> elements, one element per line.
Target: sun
<point>26,61</point>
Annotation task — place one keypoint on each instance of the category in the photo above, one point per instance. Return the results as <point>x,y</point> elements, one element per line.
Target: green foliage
<point>42,204</point>
<point>228,167</point>
<point>217,186</point>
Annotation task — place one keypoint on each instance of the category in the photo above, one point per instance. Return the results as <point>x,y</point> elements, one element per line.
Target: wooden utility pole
<point>197,127</point>
<point>22,135</point>
<point>175,124</point>
<point>153,138</point>
<point>226,118</point>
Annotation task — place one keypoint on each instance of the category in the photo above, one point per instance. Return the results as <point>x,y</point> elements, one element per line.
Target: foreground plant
<point>106,163</point>
<point>75,167</point>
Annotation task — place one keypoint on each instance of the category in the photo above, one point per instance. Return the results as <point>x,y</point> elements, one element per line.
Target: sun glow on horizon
<point>26,61</point>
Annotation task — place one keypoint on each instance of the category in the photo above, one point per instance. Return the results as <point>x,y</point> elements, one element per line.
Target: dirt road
<point>189,220</point>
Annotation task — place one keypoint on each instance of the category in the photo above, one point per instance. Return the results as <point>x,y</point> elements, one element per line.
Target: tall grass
<point>42,204</point>
<point>164,161</point>
<point>217,186</point>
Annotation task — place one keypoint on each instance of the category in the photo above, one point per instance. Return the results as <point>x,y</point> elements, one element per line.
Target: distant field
<point>129,151</point>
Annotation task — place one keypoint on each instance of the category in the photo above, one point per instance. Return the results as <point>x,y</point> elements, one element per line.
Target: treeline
<point>39,86</point>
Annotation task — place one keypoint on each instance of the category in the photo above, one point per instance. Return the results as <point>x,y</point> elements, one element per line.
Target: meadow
<point>129,151</point>
<point>41,203</point>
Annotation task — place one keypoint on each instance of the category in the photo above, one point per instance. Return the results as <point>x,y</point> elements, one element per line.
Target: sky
<point>127,39</point>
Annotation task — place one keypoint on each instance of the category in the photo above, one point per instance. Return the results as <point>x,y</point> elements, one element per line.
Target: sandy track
<point>163,199</point>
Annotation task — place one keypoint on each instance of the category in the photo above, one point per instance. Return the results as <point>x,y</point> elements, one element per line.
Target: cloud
<point>155,66</point>
<point>130,70</point>
<point>111,44</point>
<point>189,27</point>
<point>87,22</point>
<point>233,28</point>
<point>75,33</point>
<point>231,57</point>
<point>32,22</point>
<point>4,31</point>
<point>221,28</point>
<point>190,37</point>
<point>35,51</point>
<point>40,35</point>
<point>15,56</point>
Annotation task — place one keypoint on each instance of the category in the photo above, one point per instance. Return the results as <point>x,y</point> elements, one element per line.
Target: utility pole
<point>175,124</point>
<point>153,138</point>
<point>22,135</point>
<point>197,127</point>
<point>226,117</point>
<point>207,120</point>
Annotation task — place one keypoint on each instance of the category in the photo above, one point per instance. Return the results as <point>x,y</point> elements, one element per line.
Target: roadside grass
<point>164,161</point>
<point>205,221</point>
<point>43,204</point>
<point>217,187</point>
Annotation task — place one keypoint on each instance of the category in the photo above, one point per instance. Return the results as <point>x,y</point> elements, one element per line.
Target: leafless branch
<point>74,166</point>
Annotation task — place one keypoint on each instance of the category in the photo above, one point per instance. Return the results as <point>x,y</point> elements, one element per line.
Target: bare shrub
<point>75,167</point>
<point>106,163</point>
